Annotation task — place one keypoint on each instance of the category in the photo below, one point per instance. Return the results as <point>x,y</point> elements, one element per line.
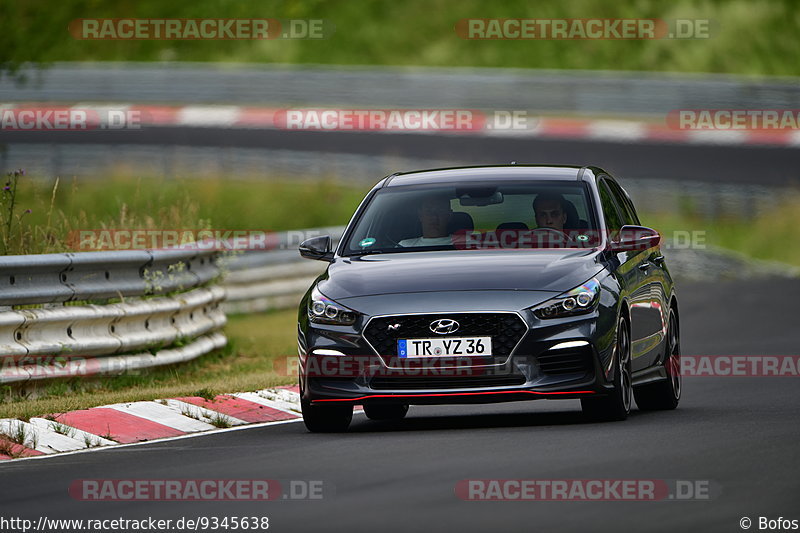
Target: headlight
<point>575,302</point>
<point>323,310</point>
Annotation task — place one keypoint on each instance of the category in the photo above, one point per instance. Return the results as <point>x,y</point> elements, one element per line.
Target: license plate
<point>435,347</point>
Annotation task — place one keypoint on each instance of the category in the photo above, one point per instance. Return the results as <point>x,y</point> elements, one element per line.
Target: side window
<point>610,209</point>
<point>624,203</point>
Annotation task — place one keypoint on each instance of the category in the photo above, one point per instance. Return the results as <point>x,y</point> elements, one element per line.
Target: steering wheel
<point>384,236</point>
<point>554,233</point>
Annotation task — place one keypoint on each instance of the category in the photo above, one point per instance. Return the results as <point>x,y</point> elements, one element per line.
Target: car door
<point>649,305</point>
<point>630,272</point>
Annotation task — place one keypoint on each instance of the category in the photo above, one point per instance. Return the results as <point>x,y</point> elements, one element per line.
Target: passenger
<point>434,214</point>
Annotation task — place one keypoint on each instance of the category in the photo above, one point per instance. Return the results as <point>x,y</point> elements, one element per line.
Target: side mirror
<point>317,248</point>
<point>635,238</point>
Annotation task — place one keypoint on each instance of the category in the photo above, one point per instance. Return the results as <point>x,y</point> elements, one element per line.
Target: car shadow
<point>477,421</point>
<point>415,422</point>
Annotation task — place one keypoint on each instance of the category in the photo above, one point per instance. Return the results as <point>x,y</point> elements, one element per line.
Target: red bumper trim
<point>429,395</point>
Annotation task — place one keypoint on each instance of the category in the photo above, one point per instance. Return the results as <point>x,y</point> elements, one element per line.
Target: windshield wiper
<point>365,252</point>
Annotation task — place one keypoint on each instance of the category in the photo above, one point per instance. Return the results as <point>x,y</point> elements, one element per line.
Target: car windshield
<point>474,216</point>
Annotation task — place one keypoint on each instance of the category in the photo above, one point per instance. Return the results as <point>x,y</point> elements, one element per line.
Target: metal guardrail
<point>55,278</point>
<point>534,90</point>
<point>94,330</point>
<point>260,281</point>
<point>101,313</point>
<point>124,310</point>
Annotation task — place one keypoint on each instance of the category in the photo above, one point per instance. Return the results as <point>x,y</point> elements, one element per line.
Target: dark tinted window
<point>611,212</point>
<point>624,203</point>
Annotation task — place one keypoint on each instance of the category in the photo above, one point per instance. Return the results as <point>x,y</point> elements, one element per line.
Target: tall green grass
<point>124,202</point>
<point>772,236</point>
<point>60,206</point>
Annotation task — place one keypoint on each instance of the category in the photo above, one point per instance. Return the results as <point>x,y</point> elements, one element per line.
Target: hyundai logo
<point>443,326</point>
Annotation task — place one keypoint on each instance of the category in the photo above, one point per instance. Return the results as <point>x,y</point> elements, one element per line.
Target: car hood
<point>421,272</point>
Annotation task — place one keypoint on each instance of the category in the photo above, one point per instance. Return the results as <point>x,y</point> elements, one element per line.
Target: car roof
<point>491,172</point>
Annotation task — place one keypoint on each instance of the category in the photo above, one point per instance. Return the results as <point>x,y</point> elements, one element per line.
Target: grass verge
<point>40,215</point>
<point>772,236</point>
<point>123,202</point>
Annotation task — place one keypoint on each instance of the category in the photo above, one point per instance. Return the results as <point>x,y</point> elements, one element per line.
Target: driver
<point>549,211</point>
<point>434,214</point>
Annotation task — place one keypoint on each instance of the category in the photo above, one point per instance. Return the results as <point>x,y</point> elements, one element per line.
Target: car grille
<point>422,383</point>
<point>566,362</point>
<point>506,330</point>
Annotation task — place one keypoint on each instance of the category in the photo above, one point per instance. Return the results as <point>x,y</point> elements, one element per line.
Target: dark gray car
<point>489,284</point>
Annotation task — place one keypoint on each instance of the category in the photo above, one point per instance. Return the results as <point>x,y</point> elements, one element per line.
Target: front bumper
<point>554,359</point>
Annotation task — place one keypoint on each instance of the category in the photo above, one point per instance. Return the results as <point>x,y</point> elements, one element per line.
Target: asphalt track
<point>720,163</point>
<point>740,434</point>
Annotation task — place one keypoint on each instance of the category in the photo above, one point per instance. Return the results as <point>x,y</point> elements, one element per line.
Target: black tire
<point>665,395</point>
<point>386,412</point>
<point>617,405</point>
<point>326,418</point>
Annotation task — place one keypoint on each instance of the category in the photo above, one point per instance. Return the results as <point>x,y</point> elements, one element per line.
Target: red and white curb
<point>135,422</point>
<point>209,116</point>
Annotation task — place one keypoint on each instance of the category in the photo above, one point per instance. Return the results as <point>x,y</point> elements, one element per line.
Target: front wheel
<point>617,405</point>
<point>326,418</point>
